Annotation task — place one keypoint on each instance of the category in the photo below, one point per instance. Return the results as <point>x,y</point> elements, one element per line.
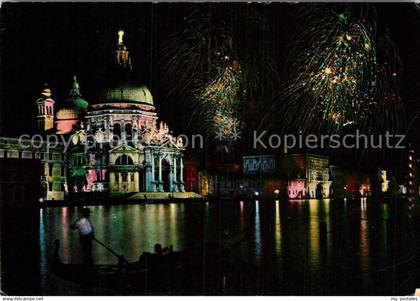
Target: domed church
<point>117,143</point>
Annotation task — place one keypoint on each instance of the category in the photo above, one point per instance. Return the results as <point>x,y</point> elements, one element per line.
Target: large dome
<point>140,94</point>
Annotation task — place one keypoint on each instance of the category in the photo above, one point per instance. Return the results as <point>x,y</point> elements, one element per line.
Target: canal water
<point>307,247</point>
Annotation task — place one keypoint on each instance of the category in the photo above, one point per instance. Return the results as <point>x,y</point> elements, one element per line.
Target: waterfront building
<point>262,164</point>
<point>49,174</point>
<point>350,183</point>
<point>118,144</point>
<point>128,150</point>
<point>314,178</point>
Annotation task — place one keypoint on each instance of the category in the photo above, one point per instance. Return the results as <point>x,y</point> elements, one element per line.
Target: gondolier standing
<point>85,228</point>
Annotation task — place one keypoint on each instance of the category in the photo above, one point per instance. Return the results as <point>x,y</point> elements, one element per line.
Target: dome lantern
<point>121,54</point>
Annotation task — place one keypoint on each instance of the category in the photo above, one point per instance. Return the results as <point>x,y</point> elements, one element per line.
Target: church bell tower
<point>45,106</point>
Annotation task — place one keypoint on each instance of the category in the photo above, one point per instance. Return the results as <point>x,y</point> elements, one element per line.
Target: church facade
<point>117,143</point>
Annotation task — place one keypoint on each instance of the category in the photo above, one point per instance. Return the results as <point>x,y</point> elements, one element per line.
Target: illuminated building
<point>69,116</point>
<point>203,183</point>
<point>270,177</point>
<point>384,181</point>
<point>117,144</point>
<point>411,171</point>
<point>45,106</point>
<point>263,164</point>
<point>316,181</point>
<point>364,188</point>
<point>296,189</point>
<point>131,152</point>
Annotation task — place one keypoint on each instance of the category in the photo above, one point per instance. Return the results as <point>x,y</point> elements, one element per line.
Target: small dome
<point>75,98</point>
<point>77,102</point>
<point>139,94</point>
<point>46,92</point>
<point>66,114</point>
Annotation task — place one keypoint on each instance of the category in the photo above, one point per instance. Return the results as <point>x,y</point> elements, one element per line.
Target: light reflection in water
<point>65,225</point>
<point>161,230</point>
<point>173,211</point>
<point>241,215</point>
<point>305,248</point>
<point>258,246</point>
<point>363,208</point>
<point>314,232</point>
<point>325,223</point>
<point>384,228</point>
<point>42,249</point>
<point>277,228</point>
<point>319,236</point>
<point>364,240</point>
<point>128,230</point>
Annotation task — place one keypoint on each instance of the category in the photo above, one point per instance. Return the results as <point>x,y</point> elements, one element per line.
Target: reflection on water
<point>364,240</point>
<point>314,233</point>
<point>277,229</point>
<point>258,246</point>
<point>43,265</point>
<point>306,247</point>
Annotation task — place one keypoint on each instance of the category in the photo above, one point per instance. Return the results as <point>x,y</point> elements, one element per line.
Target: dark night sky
<point>49,42</point>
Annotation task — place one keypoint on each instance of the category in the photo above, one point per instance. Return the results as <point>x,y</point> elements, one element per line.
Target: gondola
<point>177,269</point>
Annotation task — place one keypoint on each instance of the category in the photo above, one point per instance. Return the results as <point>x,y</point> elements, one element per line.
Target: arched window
<point>128,131</point>
<point>117,130</point>
<point>124,160</point>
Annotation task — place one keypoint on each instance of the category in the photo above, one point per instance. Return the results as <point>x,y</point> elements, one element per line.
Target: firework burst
<point>221,97</point>
<point>208,72</point>
<point>336,79</point>
<point>223,85</point>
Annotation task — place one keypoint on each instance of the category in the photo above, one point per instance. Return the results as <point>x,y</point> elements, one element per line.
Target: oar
<point>120,257</point>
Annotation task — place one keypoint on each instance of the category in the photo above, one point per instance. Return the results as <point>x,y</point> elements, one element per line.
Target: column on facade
<point>181,175</point>
<point>171,180</point>
<point>160,168</point>
<point>149,186</point>
<point>111,181</point>
<point>136,182</point>
<point>119,182</point>
<point>153,184</point>
<point>160,185</point>
<point>174,169</point>
<point>153,167</point>
<point>106,130</point>
<point>128,181</point>
<point>181,172</point>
